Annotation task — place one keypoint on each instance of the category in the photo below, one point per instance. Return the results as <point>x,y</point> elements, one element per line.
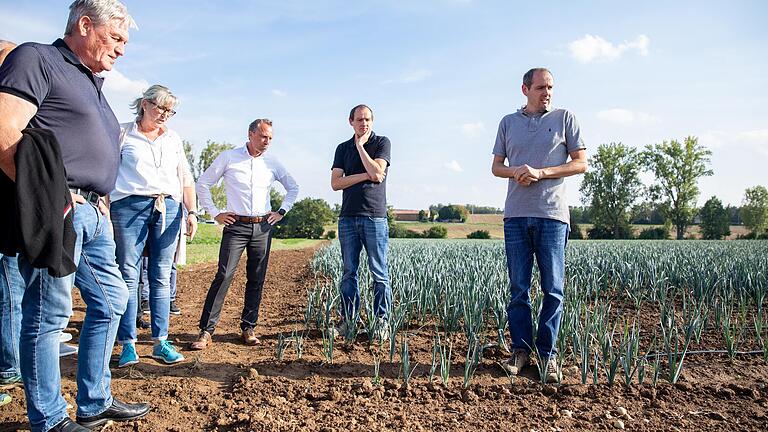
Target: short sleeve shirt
<point>539,140</point>
<point>365,198</point>
<point>71,104</point>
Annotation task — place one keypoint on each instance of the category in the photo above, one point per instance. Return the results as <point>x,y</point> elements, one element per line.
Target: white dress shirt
<point>150,168</point>
<point>247,181</point>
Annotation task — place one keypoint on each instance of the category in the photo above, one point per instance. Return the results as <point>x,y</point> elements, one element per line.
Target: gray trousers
<point>256,240</point>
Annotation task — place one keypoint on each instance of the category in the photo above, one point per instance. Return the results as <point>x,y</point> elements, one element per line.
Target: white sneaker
<point>66,349</point>
<point>65,337</point>
<point>553,371</point>
<point>520,359</point>
<point>381,332</point>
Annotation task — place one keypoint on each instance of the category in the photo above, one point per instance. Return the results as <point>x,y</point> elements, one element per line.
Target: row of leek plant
<point>459,288</point>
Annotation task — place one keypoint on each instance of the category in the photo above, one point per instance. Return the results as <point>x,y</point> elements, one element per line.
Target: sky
<point>439,75</point>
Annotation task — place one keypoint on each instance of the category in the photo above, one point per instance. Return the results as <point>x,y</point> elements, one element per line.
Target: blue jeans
<point>11,293</point>
<point>136,222</point>
<point>144,280</point>
<point>46,308</point>
<point>524,238</point>
<point>356,233</point>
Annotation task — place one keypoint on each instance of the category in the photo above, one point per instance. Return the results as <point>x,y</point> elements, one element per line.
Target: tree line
<point>616,197</point>
<point>613,195</point>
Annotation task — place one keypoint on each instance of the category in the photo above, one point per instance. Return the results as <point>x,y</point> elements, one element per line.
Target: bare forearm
<point>341,183</point>
<point>500,170</point>
<point>568,169</point>
<point>189,198</point>
<point>373,169</point>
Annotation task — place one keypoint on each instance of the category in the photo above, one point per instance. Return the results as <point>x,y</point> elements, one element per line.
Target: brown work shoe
<point>202,342</point>
<point>249,337</point>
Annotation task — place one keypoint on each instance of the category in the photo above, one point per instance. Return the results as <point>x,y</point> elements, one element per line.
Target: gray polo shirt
<point>539,140</point>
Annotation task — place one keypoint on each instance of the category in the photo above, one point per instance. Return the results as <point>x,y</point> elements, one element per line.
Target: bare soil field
<point>232,387</point>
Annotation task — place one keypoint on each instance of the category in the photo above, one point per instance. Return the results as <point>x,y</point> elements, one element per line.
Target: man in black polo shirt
<point>360,169</point>
<point>57,87</point>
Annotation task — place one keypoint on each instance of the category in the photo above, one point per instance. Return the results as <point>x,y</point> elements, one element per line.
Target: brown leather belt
<point>251,219</point>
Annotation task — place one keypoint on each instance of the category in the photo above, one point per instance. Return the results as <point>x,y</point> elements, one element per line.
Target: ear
<point>351,122</point>
<point>84,25</point>
<point>525,89</point>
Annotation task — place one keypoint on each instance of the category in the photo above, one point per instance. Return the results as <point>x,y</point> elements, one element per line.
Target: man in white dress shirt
<point>248,220</point>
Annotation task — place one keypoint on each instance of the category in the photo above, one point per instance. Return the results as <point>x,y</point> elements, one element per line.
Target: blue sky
<point>440,74</point>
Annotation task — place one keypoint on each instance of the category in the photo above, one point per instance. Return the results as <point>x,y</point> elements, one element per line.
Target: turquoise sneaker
<point>10,382</point>
<point>128,356</point>
<point>166,353</point>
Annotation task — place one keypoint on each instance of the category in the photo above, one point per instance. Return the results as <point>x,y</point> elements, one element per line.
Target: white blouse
<point>150,168</point>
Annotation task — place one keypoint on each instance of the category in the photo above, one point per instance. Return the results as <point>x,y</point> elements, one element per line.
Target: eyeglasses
<point>167,111</point>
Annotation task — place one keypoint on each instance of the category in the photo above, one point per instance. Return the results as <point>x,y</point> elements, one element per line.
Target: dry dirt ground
<point>231,387</point>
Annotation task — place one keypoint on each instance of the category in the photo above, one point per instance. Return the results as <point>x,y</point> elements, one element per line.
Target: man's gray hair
<point>156,94</point>
<point>255,124</point>
<point>528,77</point>
<point>99,11</point>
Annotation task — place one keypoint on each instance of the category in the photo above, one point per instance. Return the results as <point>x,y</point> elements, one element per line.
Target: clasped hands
<point>524,175</point>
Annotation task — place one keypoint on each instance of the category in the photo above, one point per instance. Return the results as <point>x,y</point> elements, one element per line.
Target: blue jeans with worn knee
<point>11,293</point>
<point>46,308</point>
<point>356,233</point>
<point>136,223</point>
<point>545,239</point>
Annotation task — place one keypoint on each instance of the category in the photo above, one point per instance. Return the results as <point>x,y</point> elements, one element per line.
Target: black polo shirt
<point>71,104</point>
<point>366,198</point>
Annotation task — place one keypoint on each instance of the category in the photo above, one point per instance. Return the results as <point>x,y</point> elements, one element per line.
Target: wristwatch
<point>282,212</point>
<point>192,213</point>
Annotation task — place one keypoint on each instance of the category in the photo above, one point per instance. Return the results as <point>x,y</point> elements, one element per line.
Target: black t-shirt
<point>365,198</point>
<point>69,103</point>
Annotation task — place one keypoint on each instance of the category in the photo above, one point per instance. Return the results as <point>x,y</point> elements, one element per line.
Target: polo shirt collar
<point>70,56</point>
<point>522,111</point>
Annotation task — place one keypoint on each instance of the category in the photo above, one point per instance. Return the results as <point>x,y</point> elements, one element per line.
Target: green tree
<point>190,154</point>
<point>714,220</point>
<point>275,199</point>
<point>437,231</point>
<point>479,234</point>
<point>677,168</point>
<point>453,212</point>
<point>305,220</point>
<point>754,210</point>
<point>212,150</point>
<point>611,186</point>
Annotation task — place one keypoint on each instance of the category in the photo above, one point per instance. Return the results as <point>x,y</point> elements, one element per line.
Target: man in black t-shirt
<point>360,169</point>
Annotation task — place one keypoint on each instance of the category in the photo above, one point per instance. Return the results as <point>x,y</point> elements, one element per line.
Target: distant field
<point>205,246</point>
<point>494,224</point>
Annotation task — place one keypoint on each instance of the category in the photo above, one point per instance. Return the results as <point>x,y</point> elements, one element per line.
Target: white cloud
<point>755,140</point>
<point>121,91</point>
<point>472,130</point>
<point>279,93</point>
<point>626,117</point>
<point>410,77</point>
<point>590,48</point>
<point>453,166</point>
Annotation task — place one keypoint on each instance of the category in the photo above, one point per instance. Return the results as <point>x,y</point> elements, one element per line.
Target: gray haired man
<point>57,87</point>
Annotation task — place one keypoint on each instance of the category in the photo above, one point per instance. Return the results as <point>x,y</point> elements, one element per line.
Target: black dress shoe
<point>67,425</point>
<point>119,411</point>
<point>141,324</point>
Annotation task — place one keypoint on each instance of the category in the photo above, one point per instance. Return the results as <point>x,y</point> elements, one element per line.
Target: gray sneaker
<point>345,329</point>
<point>520,359</point>
<point>554,374</point>
<point>381,331</point>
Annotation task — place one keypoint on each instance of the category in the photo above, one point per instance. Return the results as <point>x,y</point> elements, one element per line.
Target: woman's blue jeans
<point>136,224</point>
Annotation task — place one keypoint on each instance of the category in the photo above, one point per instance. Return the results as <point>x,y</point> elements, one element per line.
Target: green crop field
<point>633,309</point>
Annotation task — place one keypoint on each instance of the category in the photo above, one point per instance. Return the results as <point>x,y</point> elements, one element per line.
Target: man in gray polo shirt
<point>536,141</point>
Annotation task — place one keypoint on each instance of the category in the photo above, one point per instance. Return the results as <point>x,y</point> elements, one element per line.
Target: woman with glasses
<point>153,182</point>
